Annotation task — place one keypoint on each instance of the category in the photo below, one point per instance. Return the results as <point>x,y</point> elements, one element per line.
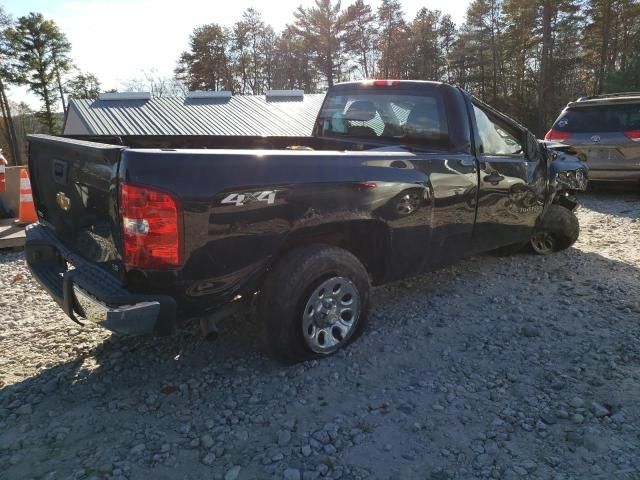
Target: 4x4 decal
<point>239,199</point>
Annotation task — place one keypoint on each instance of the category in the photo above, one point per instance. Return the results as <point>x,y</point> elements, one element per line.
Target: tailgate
<point>74,186</point>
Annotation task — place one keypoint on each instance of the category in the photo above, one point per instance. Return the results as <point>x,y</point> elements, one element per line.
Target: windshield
<point>605,118</point>
<point>395,117</point>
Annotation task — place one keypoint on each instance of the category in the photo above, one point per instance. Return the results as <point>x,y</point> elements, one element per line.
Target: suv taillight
<point>556,135</point>
<point>633,135</point>
<point>151,228</point>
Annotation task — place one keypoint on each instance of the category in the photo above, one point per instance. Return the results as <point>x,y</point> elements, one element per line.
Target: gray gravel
<point>498,367</point>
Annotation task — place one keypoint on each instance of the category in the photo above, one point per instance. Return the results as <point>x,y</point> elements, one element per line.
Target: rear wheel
<point>314,302</point>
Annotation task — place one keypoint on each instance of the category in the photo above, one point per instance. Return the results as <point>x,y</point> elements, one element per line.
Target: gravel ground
<point>498,367</point>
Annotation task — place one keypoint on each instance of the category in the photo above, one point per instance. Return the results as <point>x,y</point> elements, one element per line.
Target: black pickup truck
<point>399,177</point>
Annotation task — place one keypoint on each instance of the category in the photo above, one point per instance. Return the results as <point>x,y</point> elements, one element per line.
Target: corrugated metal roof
<point>239,115</point>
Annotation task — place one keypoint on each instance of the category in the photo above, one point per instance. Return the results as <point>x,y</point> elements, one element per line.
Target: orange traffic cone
<point>27,208</point>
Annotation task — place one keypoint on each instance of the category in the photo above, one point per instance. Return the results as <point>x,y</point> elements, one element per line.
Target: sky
<point>120,40</point>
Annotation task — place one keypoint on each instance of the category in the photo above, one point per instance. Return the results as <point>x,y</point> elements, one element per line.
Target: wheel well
<point>368,240</point>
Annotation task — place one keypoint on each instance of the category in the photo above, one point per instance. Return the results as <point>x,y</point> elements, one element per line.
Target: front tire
<point>313,302</point>
<point>558,230</point>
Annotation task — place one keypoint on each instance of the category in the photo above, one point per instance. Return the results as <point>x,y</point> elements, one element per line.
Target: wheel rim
<point>330,315</point>
<point>407,204</point>
<point>543,243</point>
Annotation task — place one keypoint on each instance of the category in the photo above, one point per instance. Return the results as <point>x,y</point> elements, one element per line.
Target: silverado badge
<point>63,201</point>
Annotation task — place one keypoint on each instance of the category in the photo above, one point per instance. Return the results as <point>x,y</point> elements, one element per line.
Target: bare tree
<point>159,86</point>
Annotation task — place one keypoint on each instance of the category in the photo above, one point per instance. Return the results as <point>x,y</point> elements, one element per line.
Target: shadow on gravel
<point>128,381</point>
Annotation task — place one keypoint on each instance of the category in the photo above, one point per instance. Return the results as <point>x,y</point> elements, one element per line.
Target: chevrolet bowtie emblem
<point>63,201</point>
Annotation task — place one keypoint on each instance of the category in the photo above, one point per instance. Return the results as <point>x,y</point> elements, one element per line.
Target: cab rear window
<point>604,118</point>
<point>395,117</point>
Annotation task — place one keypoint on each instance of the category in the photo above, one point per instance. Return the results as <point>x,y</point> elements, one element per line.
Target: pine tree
<point>447,34</point>
<point>7,75</point>
<point>248,48</point>
<point>40,51</point>
<point>474,51</point>
<point>323,29</point>
<point>392,42</point>
<point>521,50</point>
<point>206,65</point>
<point>612,44</point>
<point>269,42</point>
<point>293,62</point>
<point>361,36</point>
<point>426,60</point>
<point>559,79</point>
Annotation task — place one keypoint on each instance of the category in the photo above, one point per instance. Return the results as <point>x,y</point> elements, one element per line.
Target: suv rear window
<point>395,117</point>
<point>604,118</point>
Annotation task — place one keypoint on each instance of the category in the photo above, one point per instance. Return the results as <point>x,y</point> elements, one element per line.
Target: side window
<point>495,137</point>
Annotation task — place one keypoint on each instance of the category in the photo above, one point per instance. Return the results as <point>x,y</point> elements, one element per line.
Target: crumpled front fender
<point>566,170</point>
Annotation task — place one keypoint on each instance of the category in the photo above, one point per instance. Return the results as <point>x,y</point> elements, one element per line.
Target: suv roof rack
<point>609,95</point>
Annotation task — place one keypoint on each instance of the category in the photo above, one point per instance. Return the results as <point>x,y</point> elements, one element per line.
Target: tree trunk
<point>364,65</point>
<point>494,55</point>
<point>7,131</point>
<point>363,53</point>
<point>11,131</point>
<point>544,66</point>
<point>604,50</point>
<point>330,65</point>
<point>49,114</point>
<point>64,105</point>
<point>387,53</point>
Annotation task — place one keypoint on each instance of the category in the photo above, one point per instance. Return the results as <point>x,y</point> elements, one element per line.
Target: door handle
<point>493,178</point>
<point>467,162</point>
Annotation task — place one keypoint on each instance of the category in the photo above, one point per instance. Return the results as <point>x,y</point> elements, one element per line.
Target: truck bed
<point>224,194</point>
<point>231,142</point>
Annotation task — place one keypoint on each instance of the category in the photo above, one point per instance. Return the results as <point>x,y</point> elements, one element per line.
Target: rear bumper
<point>630,176</point>
<point>89,292</point>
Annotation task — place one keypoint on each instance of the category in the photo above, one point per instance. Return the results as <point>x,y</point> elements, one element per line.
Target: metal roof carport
<point>238,115</point>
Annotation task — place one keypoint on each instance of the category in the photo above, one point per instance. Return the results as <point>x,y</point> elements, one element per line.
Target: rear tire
<point>313,303</point>
<point>558,230</point>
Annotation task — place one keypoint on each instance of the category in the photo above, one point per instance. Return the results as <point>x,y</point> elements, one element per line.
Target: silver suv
<point>606,130</point>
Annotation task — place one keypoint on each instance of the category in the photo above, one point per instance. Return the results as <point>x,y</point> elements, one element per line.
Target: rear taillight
<point>556,135</point>
<point>151,228</point>
<point>633,135</point>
